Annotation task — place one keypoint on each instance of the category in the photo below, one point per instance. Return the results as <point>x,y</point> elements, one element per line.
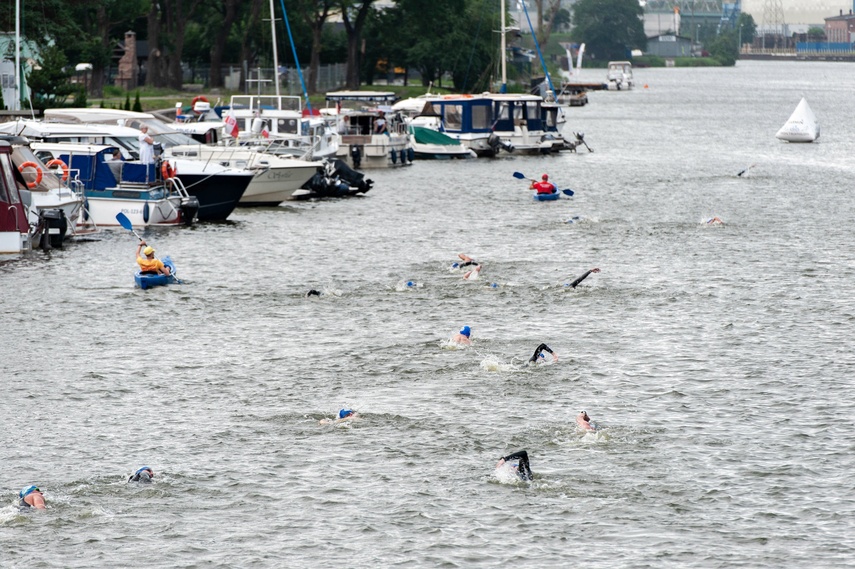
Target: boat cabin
<point>14,228</point>
<point>619,75</point>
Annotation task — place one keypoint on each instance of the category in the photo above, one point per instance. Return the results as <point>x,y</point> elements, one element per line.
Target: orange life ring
<point>196,99</point>
<point>167,171</point>
<point>39,173</point>
<point>62,165</point>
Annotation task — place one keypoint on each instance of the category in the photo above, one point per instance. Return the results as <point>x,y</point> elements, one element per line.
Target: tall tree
<point>314,13</point>
<point>610,28</point>
<point>249,44</point>
<point>228,11</point>
<point>353,14</point>
<point>167,21</point>
<point>545,30</point>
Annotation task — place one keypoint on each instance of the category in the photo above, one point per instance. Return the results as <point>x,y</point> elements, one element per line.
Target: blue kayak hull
<point>547,197</point>
<point>148,281</point>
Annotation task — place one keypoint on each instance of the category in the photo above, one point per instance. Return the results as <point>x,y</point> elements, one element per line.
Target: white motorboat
<point>619,76</point>
<point>275,179</point>
<point>53,207</point>
<point>111,186</point>
<point>14,229</point>
<point>218,188</point>
<point>372,136</point>
<point>801,126</point>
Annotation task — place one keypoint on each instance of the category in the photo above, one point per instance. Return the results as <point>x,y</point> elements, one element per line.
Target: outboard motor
<point>158,149</point>
<point>356,155</point>
<point>53,225</point>
<point>496,143</point>
<point>189,209</point>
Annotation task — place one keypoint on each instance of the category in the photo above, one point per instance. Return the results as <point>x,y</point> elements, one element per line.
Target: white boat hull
<point>272,186</point>
<point>376,150</point>
<point>102,212</point>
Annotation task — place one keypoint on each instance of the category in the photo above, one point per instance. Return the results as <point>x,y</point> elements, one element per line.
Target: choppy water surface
<point>719,359</point>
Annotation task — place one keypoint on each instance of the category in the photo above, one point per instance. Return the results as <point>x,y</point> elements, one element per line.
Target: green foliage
<point>610,28</point>
<point>816,33</point>
<point>80,97</point>
<point>50,83</point>
<point>746,27</point>
<point>724,49</point>
<point>137,105</point>
<point>127,106</point>
<point>2,103</point>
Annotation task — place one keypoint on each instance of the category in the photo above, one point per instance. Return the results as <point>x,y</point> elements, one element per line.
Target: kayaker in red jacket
<point>544,186</point>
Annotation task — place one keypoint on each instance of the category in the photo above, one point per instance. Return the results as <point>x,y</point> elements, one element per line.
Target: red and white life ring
<point>39,173</point>
<point>61,166</point>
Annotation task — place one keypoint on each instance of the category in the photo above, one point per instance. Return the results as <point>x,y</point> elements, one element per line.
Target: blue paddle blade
<point>124,221</point>
<point>567,192</point>
<point>519,176</point>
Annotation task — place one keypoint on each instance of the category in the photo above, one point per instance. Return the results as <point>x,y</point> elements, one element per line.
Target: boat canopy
<point>429,136</point>
<point>364,96</point>
<point>97,172</point>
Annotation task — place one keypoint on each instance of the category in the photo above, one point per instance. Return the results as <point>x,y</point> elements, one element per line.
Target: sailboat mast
<point>17,104</point>
<point>275,52</point>
<point>504,53</point>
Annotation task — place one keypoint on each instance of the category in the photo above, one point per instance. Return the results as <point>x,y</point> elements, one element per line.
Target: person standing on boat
<point>31,497</point>
<point>146,145</point>
<point>544,186</point>
<point>149,265</point>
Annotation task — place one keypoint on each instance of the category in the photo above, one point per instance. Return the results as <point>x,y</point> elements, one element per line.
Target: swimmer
<point>522,467</point>
<point>473,274</point>
<point>583,277</point>
<point>142,475</point>
<point>313,292</point>
<point>538,356</point>
<point>462,337</point>
<point>467,261</point>
<point>343,415</point>
<point>31,497</point>
<point>584,422</point>
<point>714,221</point>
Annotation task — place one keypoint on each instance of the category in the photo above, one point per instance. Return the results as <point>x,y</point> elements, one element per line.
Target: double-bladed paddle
<point>521,176</point>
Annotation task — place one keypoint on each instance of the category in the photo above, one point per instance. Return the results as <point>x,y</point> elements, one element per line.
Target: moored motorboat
<point>801,126</point>
<point>148,280</point>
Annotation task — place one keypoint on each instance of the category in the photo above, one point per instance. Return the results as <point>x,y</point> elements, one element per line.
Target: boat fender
<point>85,209</point>
<point>39,173</point>
<point>61,165</point>
<point>394,156</point>
<point>145,212</point>
<point>411,154</point>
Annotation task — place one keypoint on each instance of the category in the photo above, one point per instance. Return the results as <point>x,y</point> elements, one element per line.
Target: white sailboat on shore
<point>801,126</point>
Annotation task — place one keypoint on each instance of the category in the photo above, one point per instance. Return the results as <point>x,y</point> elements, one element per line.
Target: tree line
<point>437,38</point>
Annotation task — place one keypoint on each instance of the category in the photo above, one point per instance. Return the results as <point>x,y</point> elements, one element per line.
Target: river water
<point>717,360</point>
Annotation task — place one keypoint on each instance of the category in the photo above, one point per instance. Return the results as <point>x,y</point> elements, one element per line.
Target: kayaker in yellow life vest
<point>149,265</point>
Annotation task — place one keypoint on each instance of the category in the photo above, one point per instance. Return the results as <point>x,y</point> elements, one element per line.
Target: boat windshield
<point>24,154</point>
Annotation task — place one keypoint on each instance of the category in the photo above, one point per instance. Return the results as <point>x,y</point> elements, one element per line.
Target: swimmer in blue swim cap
<point>31,497</point>
<point>342,415</point>
<point>143,475</point>
<point>462,337</point>
<point>411,283</point>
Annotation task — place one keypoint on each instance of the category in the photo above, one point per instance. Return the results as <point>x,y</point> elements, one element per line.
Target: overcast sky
<point>800,11</point>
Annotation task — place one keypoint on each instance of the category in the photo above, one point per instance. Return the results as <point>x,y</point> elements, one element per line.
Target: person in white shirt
<point>146,146</point>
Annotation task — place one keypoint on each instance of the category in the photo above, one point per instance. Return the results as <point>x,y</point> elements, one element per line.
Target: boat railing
<point>177,185</point>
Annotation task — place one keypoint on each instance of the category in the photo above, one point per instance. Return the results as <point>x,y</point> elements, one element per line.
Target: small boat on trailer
<point>148,280</point>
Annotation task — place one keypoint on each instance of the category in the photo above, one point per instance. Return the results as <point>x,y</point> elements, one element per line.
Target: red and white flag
<point>264,132</point>
<point>232,125</point>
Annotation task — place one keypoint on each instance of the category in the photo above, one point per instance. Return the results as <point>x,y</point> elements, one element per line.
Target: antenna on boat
<point>504,87</point>
<point>294,50</point>
<point>275,53</point>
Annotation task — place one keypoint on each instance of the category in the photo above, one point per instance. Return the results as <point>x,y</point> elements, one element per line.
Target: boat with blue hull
<point>145,281</point>
<point>547,197</point>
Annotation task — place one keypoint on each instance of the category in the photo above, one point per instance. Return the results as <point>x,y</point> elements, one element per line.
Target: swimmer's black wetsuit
<point>313,292</point>
<point>540,349</point>
<point>524,469</point>
<point>143,477</point>
<point>467,263</point>
<point>580,279</point>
